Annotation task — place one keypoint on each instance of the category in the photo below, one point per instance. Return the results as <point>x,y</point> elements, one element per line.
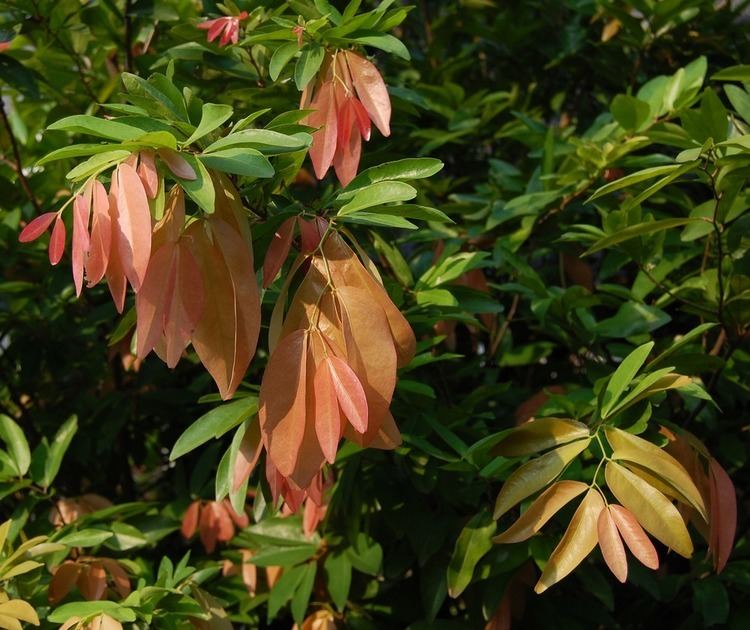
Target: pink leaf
<point>346,160</point>
<point>311,232</point>
<point>324,139</point>
<point>635,538</point>
<point>327,415</point>
<point>177,164</point>
<point>185,306</point>
<point>36,227</point>
<point>101,235</point>
<point>611,545</point>
<point>134,221</point>
<point>57,241</point>
<point>81,242</point>
<point>363,119</point>
<point>349,392</point>
<point>277,251</point>
<point>371,91</point>
<point>148,174</point>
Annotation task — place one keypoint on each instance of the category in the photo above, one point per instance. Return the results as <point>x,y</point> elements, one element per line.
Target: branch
<point>17,156</point>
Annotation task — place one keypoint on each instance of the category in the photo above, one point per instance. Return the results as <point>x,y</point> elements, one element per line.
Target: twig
<point>260,81</point>
<point>128,36</point>
<point>504,328</point>
<point>17,155</point>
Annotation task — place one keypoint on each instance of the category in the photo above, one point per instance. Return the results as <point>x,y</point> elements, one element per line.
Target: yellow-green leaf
<point>632,448</point>
<point>658,516</point>
<point>535,474</point>
<point>10,623</point>
<point>578,542</point>
<point>20,610</point>
<point>541,434</point>
<point>541,510</point>
<point>20,569</point>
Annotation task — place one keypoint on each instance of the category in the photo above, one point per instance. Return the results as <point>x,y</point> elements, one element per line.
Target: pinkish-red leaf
<point>190,519</point>
<point>57,241</point>
<point>327,415</point>
<point>115,274</point>
<point>101,235</point>
<point>371,90</point>
<point>186,304</point>
<point>134,222</point>
<point>277,251</point>
<point>36,227</point>
<point>177,164</point>
<point>346,160</point>
<point>723,525</point>
<point>310,233</point>
<point>349,392</point>
<point>363,119</point>
<point>151,300</point>
<point>148,173</point>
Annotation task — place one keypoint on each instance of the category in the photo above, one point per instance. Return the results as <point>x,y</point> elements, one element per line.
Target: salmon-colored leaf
<point>371,91</point>
<point>578,542</point>
<point>611,545</point>
<point>544,507</point>
<point>151,300</point>
<point>101,235</point>
<point>148,173</point>
<point>80,244</point>
<point>325,120</point>
<point>118,575</point>
<point>134,222</point>
<point>36,227</point>
<point>115,273</point>
<point>349,392</point>
<point>240,520</point>
<point>327,416</point>
<point>278,251</point>
<point>362,118</point>
<point>57,241</point>
<point>635,537</point>
<point>723,523</point>
<point>346,158</point>
<point>190,519</point>
<point>186,304</point>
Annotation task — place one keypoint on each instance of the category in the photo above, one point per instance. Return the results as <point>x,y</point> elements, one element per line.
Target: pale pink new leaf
<point>134,221</point>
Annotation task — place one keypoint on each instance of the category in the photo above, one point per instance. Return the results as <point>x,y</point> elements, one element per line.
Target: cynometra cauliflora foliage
<point>369,315</point>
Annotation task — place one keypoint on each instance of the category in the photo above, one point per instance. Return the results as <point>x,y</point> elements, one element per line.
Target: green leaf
<point>74,151</point>
<point>214,424</point>
<point>680,342</point>
<point>281,56</point>
<point>125,536</point>
<point>474,541</point>
<point>85,538</point>
<point>366,555</point>
<point>212,117</point>
<point>283,556</point>
<point>382,220</point>
<point>630,112</point>
<point>338,572</point>
<point>302,594</point>
<point>46,459</point>
<point>633,178</point>
<point>264,140</point>
<point>412,211</point>
<point>711,599</point>
<point>277,531</point>
<point>283,590</point>
<point>407,169</point>
<point>740,100</point>
<point>93,126</point>
<point>378,194</point>
<point>201,189</point>
<point>641,229</point>
<point>18,447</point>
<point>247,162</point>
<point>632,318</point>
<point>96,164</point>
<point>90,609</point>
<point>733,73</point>
<point>308,64</point>
<point>383,41</point>
<point>623,376</point>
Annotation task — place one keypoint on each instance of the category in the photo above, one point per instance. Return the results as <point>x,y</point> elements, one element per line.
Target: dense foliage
<point>472,350</point>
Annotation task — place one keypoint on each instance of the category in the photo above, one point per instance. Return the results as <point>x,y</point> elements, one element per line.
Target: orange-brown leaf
<point>278,251</point>
<point>93,582</point>
<point>250,449</point>
<point>327,416</point>
<point>349,392</point>
<point>65,576</point>
<point>371,90</point>
<point>190,519</point>
<point>101,235</point>
<point>323,118</point>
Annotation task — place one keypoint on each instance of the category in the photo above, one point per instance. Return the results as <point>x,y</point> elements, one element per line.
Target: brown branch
<point>504,328</point>
<point>17,156</point>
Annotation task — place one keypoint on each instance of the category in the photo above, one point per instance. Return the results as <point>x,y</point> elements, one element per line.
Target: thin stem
<point>128,36</point>
<point>17,156</point>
